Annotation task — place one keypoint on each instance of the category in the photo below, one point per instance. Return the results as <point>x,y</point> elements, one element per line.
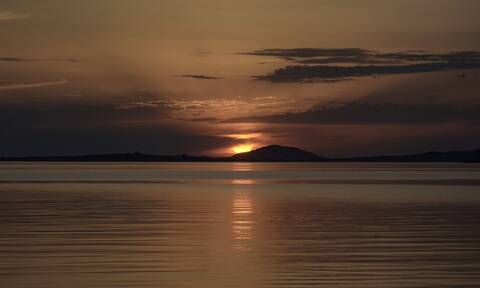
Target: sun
<point>242,148</point>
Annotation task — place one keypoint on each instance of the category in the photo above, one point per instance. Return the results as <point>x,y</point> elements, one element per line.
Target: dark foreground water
<point>239,225</point>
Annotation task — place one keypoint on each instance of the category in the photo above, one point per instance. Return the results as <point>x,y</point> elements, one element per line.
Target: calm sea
<point>239,225</point>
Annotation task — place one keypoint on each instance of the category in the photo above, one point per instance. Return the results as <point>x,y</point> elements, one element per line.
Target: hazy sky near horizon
<point>336,77</point>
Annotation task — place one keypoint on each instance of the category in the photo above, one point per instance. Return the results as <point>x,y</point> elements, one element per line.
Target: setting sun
<point>242,148</point>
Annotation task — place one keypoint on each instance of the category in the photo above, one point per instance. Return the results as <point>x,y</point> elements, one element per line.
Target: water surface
<point>239,225</point>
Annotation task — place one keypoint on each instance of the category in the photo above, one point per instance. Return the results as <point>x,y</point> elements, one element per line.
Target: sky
<point>339,78</point>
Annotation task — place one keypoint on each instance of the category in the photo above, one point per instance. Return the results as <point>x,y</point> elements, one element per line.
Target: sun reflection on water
<point>242,226</point>
<point>242,166</point>
<point>242,182</point>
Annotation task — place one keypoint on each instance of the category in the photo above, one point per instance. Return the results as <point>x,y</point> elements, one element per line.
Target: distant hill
<point>277,153</point>
<point>451,156</point>
<point>273,153</point>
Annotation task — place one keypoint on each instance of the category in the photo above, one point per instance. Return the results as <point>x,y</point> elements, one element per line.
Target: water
<point>239,225</point>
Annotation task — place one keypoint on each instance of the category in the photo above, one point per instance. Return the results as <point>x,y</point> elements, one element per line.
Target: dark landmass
<point>273,153</point>
<point>277,153</point>
<point>451,156</point>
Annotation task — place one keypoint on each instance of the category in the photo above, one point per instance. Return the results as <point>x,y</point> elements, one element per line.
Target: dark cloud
<point>203,119</point>
<point>98,129</point>
<point>16,59</point>
<point>147,139</point>
<point>367,140</point>
<point>453,57</point>
<point>347,60</point>
<point>357,55</point>
<point>204,53</point>
<point>369,113</point>
<point>426,99</point>
<point>200,77</point>
<point>26,118</point>
<point>360,63</point>
<point>311,52</point>
<point>322,72</point>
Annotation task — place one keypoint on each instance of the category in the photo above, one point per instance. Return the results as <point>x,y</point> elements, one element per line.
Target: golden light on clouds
<point>244,136</point>
<point>242,148</point>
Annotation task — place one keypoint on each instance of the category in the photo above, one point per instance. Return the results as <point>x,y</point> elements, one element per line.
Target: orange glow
<point>244,136</point>
<point>242,148</point>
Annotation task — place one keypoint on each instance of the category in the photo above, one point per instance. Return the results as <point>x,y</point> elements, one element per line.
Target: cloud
<point>209,110</point>
<point>89,129</point>
<point>346,60</point>
<point>358,55</point>
<point>203,119</point>
<point>10,15</point>
<point>321,65</point>
<point>16,86</point>
<point>425,99</point>
<point>338,73</point>
<point>193,107</point>
<point>203,53</point>
<point>82,115</point>
<point>17,59</point>
<point>200,77</point>
<point>369,113</point>
<point>310,53</point>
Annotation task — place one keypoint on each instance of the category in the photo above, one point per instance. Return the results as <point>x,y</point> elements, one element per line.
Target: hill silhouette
<point>272,153</point>
<point>275,153</point>
<point>435,156</point>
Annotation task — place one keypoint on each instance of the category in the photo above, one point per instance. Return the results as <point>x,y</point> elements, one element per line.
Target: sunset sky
<point>335,77</point>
